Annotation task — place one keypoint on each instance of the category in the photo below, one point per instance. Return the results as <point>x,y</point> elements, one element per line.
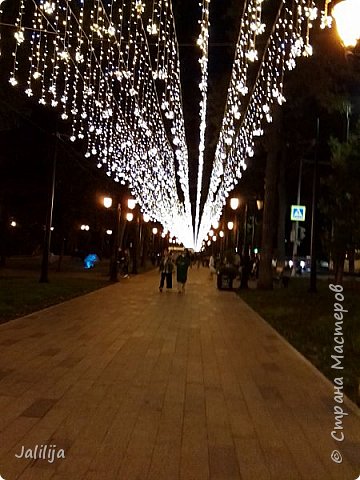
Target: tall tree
<point>342,199</point>
<point>273,148</point>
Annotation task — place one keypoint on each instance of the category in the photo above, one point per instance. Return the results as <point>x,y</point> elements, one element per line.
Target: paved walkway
<point>138,385</point>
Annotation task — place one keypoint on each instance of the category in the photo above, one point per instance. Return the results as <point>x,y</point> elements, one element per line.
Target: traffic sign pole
<point>295,244</point>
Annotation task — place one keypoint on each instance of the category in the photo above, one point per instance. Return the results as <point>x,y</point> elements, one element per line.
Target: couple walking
<point>167,267</point>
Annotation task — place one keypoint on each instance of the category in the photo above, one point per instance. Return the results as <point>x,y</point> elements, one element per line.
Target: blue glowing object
<point>90,260</point>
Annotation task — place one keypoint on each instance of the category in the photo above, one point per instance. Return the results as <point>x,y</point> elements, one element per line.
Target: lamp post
<point>313,276</point>
<point>346,14</point>
<point>135,242</point>
<point>259,206</point>
<point>234,205</point>
<point>115,250</point>
<point>44,276</point>
<point>154,232</point>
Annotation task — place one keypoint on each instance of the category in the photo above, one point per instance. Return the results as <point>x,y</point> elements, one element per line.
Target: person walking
<point>212,266</point>
<point>182,265</point>
<point>166,270</point>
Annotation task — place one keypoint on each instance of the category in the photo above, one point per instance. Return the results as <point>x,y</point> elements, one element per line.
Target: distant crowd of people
<point>243,266</point>
<point>234,265</point>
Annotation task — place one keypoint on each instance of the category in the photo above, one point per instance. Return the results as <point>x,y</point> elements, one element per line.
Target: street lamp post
<point>314,215</point>
<point>135,243</point>
<point>234,205</point>
<point>44,276</point>
<point>245,229</point>
<point>154,232</point>
<point>115,250</point>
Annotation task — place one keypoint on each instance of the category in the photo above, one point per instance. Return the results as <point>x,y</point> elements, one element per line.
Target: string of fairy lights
<point>203,43</point>
<point>112,70</point>
<point>117,82</point>
<point>289,39</point>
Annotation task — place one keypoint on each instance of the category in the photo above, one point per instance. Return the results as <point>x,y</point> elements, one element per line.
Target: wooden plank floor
<point>138,385</point>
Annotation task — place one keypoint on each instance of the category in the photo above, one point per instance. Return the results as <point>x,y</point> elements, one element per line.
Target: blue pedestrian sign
<point>298,213</point>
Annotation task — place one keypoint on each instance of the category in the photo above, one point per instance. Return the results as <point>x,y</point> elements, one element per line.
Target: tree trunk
<point>270,203</point>
<point>281,253</point>
<point>351,254</point>
<point>61,254</point>
<point>339,259</point>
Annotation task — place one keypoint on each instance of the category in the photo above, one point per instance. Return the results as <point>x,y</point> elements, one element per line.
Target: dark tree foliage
<point>341,199</point>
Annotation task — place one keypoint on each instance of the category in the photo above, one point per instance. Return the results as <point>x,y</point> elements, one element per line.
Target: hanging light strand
<point>98,69</point>
<point>203,43</point>
<point>288,40</point>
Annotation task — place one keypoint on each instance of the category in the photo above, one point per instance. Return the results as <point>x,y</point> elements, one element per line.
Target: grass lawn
<point>21,293</point>
<point>306,320</point>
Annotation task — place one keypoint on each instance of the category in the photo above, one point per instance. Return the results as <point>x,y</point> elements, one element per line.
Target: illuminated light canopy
<point>249,107</point>
<point>203,43</point>
<point>221,234</point>
<point>92,62</point>
<point>123,101</point>
<point>230,225</point>
<point>129,217</point>
<point>154,230</point>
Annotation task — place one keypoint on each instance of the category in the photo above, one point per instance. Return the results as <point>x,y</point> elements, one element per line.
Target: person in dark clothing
<point>182,265</point>
<point>166,268</point>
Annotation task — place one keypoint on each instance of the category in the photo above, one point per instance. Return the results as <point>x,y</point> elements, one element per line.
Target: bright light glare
<point>215,225</point>
<point>347,17</point>
<point>230,225</point>
<point>107,202</point>
<point>108,232</point>
<point>154,230</point>
<point>221,234</point>
<point>129,217</point>
<point>146,218</point>
<point>234,203</point>
<point>131,203</point>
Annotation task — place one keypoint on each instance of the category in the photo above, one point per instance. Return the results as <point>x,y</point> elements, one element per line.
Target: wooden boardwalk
<point>137,385</point>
